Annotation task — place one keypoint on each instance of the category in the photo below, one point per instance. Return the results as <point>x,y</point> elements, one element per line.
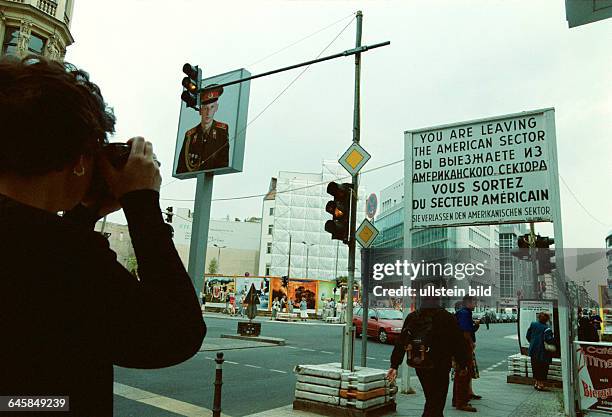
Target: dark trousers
<point>540,369</point>
<point>435,387</point>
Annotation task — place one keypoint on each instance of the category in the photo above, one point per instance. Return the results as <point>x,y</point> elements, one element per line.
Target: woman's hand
<point>391,374</point>
<point>141,172</point>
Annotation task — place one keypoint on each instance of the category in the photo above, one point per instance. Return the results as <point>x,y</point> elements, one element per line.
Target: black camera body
<point>117,153</point>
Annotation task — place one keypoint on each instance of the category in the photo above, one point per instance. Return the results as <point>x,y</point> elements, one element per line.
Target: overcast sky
<point>448,61</point>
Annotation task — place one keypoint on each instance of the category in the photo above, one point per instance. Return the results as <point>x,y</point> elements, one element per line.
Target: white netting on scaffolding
<point>300,215</point>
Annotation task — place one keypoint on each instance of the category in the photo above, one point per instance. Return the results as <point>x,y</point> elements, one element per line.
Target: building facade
<point>233,245</point>
<point>40,27</point>
<point>481,242</point>
<point>294,241</point>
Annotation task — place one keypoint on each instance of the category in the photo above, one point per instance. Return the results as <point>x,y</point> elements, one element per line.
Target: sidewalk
<point>500,399</point>
<point>266,319</point>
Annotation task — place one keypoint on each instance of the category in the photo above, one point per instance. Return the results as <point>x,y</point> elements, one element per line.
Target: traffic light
<point>340,209</point>
<point>169,213</point>
<point>523,241</point>
<point>544,255</point>
<point>191,84</point>
<point>522,252</point>
<point>285,281</point>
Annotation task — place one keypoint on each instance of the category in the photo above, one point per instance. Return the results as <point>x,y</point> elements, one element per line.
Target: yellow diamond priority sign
<point>354,158</point>
<point>366,233</point>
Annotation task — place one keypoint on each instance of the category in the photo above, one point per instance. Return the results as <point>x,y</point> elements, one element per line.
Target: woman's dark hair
<point>50,113</point>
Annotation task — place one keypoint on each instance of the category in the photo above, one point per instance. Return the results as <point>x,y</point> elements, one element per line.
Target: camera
<point>117,153</point>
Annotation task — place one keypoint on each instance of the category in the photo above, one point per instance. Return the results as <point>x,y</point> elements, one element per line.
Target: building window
<point>270,229</point>
<point>267,270</point>
<point>11,36</point>
<point>269,247</point>
<point>36,44</point>
<point>271,211</point>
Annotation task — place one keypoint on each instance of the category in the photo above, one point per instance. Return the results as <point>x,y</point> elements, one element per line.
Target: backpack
<point>418,337</point>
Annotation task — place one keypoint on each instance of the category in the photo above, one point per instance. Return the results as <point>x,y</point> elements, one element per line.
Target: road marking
<point>165,403</point>
<point>233,363</point>
<point>324,351</point>
<point>252,366</point>
<point>309,350</point>
<point>209,358</point>
<point>276,370</point>
<point>512,336</point>
<point>369,357</point>
<point>290,347</point>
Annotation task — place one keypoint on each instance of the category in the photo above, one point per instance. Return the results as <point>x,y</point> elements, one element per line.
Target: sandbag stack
<point>520,366</point>
<point>329,385</point>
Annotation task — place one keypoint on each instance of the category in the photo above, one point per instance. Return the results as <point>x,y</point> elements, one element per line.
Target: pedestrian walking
<point>243,305</point>
<point>283,304</point>
<point>303,307</point>
<point>540,338</point>
<point>275,308</point>
<point>227,302</point>
<point>88,314</point>
<point>430,338</point>
<point>487,319</point>
<point>462,385</point>
<point>290,305</point>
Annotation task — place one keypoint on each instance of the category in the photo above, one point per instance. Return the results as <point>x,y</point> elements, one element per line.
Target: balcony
<point>47,6</point>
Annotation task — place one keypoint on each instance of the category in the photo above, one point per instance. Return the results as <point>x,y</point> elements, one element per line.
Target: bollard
<point>218,382</point>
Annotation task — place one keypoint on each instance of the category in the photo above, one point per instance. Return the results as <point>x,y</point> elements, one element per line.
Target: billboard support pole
<point>199,229</point>
<point>349,329</point>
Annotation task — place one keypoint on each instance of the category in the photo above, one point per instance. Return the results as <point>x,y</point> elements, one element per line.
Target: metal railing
<point>47,6</point>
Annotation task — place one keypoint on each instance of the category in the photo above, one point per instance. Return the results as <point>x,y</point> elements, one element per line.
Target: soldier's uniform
<point>203,150</point>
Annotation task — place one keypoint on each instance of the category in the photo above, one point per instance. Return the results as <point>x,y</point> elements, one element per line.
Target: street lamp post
<point>308,245</point>
<point>219,247</point>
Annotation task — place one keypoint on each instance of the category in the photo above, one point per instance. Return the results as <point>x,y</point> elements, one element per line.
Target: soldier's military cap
<point>210,96</point>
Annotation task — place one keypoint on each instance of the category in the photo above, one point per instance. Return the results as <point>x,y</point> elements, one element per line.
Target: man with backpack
<point>430,338</point>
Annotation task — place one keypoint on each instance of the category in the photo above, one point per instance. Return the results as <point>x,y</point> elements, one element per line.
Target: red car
<point>384,323</point>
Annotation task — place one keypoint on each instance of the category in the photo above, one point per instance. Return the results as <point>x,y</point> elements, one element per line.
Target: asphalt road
<point>259,379</point>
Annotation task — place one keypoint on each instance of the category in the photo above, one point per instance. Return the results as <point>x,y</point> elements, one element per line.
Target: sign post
<point>490,171</point>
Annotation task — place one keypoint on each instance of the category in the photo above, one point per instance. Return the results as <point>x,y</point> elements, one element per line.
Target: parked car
<point>504,318</point>
<point>385,324</point>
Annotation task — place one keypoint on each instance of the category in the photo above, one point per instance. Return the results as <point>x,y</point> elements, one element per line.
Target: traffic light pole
<point>534,261</point>
<point>349,329</point>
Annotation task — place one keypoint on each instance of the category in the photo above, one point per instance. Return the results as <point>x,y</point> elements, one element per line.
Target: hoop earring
<point>79,173</point>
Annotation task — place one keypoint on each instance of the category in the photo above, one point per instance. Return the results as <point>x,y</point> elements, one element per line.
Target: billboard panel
<point>487,171</point>
<point>262,286</point>
<point>212,139</point>
<point>296,290</point>
<point>217,288</point>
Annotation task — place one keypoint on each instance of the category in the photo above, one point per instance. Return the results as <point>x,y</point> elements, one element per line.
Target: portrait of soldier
<point>206,146</point>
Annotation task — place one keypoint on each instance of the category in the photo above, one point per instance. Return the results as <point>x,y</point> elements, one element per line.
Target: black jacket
<point>69,311</point>
<point>447,339</point>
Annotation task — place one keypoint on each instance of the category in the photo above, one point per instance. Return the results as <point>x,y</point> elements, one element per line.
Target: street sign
<point>354,158</point>
<point>366,233</point>
<point>371,206</point>
<point>487,171</point>
<point>581,12</point>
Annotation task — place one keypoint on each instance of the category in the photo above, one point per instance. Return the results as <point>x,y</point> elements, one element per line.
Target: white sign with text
<point>486,171</point>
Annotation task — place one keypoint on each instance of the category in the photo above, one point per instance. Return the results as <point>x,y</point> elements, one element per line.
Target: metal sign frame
<point>567,358</point>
